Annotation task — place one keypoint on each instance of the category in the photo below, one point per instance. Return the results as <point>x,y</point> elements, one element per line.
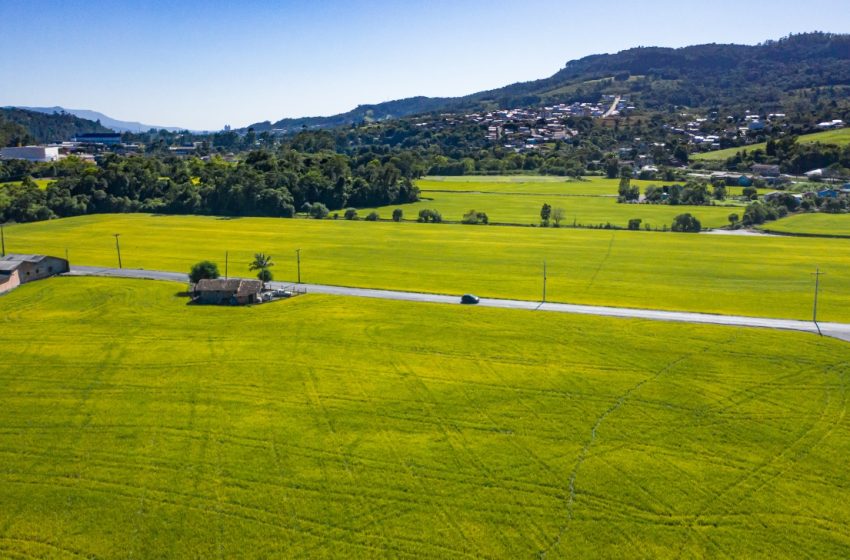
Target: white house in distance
<point>31,153</point>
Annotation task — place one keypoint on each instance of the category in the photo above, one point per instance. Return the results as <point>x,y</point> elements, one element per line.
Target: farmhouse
<point>232,291</point>
<point>20,269</point>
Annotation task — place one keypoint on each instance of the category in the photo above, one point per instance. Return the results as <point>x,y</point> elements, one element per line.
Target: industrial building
<point>31,153</point>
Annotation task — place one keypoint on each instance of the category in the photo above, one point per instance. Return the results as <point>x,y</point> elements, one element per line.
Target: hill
<point>770,74</point>
<point>108,122</point>
<point>20,126</point>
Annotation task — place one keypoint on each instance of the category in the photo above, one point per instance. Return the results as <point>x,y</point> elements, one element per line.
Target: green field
<point>759,276</point>
<point>42,183</point>
<point>135,426</point>
<point>524,209</point>
<point>591,201</point>
<point>840,137</point>
<point>813,224</point>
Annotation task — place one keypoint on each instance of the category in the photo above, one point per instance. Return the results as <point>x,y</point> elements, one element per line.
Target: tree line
<point>264,183</point>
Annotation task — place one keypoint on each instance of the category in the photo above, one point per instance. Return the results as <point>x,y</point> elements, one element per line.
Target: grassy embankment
<point>760,276</point>
<point>133,425</point>
<point>812,224</point>
<point>840,137</point>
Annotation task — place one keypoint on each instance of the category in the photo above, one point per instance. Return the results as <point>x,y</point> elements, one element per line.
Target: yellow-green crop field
<point>133,425</point>
<point>758,276</point>
<point>840,137</point>
<point>812,224</point>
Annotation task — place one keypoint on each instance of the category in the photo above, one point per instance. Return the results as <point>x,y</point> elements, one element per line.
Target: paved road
<point>837,330</point>
<point>613,107</point>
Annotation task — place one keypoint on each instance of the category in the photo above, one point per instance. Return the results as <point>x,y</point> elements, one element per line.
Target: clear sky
<point>206,63</point>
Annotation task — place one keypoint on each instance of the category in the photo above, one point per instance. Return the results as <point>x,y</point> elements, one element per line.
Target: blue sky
<point>204,64</point>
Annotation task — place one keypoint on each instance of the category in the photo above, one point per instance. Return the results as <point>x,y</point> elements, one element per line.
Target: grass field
<point>840,137</point>
<point>812,224</point>
<point>135,426</point>
<point>760,276</point>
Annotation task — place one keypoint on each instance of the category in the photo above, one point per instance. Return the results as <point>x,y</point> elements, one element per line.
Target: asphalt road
<point>836,330</point>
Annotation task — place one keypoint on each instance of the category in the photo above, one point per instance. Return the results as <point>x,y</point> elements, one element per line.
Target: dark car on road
<point>469,299</point>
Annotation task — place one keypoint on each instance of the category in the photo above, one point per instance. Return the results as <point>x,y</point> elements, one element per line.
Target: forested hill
<point>20,127</point>
<point>772,74</point>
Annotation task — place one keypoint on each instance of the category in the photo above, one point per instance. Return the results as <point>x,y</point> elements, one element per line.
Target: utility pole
<point>817,274</point>
<point>118,248</point>
<point>298,260</point>
<point>2,241</point>
<point>544,281</point>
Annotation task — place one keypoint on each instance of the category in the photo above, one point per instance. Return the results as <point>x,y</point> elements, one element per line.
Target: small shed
<point>233,291</point>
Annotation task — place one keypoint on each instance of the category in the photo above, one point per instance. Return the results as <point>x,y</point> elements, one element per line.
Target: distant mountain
<point>768,75</point>
<point>108,122</point>
<point>20,126</point>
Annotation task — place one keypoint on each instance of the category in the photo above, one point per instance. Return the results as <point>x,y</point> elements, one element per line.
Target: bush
<point>398,214</point>
<point>204,270</point>
<point>265,275</point>
<point>634,224</point>
<point>350,214</point>
<point>686,223</point>
<point>373,217</point>
<point>318,211</point>
<point>426,215</point>
<point>473,217</point>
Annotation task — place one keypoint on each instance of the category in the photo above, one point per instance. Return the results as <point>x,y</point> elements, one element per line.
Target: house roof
<point>16,258</point>
<point>237,286</point>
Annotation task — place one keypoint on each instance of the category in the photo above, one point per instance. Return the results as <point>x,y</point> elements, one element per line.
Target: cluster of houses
<point>525,129</point>
<point>709,132</point>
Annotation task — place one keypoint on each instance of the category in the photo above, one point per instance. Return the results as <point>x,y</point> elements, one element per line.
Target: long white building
<point>31,153</point>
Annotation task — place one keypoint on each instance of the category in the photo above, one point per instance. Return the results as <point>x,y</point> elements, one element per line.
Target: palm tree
<point>262,263</point>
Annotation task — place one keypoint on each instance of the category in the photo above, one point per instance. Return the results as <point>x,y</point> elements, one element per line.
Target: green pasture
<point>759,276</point>
<point>524,209</point>
<point>840,137</point>
<point>812,224</point>
<point>527,184</point>
<point>133,425</point>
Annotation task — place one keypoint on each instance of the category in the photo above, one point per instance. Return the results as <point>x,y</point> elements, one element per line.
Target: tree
<point>373,217</point>
<point>626,192</point>
<point>262,263</point>
<point>558,214</point>
<point>634,224</point>
<point>733,219</point>
<point>350,214</point>
<point>750,193</point>
<point>719,192</point>
<point>204,270</point>
<point>398,214</point>
<point>686,223</point>
<point>545,214</point>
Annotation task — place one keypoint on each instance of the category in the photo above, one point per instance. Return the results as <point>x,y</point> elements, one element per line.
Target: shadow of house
<point>20,269</point>
<point>233,291</point>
